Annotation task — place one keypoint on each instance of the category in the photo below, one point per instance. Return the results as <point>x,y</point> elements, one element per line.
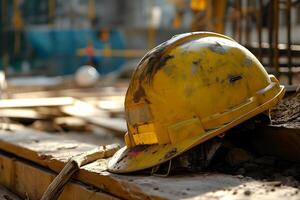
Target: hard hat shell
<point>186,91</point>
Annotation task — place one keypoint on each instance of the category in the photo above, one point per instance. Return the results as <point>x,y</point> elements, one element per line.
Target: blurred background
<point>65,66</point>
<point>51,38</point>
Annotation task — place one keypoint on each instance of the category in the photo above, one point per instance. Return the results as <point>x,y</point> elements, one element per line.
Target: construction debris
<point>287,113</point>
<point>45,112</point>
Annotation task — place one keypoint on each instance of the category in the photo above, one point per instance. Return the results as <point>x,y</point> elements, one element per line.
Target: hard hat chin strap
<point>156,168</point>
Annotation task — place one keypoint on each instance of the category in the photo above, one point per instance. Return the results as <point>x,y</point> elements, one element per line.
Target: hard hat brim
<point>146,156</point>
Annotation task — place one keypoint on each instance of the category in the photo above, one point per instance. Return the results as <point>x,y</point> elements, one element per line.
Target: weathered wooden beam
<point>7,195</point>
<point>96,116</point>
<point>30,181</point>
<point>75,93</point>
<point>53,152</point>
<point>21,114</point>
<point>36,102</point>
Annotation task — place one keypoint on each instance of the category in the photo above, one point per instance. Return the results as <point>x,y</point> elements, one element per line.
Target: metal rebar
<point>247,14</point>
<point>276,30</point>
<point>238,27</point>
<point>270,29</point>
<point>259,10</point>
<point>288,29</point>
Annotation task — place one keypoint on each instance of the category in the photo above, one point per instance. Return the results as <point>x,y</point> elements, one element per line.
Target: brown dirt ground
<point>287,112</point>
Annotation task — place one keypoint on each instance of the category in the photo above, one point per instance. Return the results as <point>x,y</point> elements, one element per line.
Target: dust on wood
<point>30,181</point>
<point>5,194</point>
<point>187,186</point>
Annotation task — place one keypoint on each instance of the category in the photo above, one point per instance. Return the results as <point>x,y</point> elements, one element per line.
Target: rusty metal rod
<point>288,27</point>
<point>259,10</point>
<point>238,20</point>
<point>270,28</point>
<point>248,14</point>
<point>276,30</point>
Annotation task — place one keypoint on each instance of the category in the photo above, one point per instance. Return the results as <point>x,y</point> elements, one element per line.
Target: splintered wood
<point>56,187</point>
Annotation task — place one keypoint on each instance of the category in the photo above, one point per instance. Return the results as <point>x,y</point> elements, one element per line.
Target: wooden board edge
<point>5,194</point>
<point>30,181</point>
<point>104,180</point>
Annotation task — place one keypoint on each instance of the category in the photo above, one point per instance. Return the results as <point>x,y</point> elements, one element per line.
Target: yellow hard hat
<point>186,91</point>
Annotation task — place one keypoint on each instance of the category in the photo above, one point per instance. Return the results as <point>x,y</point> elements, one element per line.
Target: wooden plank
<point>83,109</point>
<point>36,102</point>
<point>114,104</point>
<point>30,181</point>
<point>21,114</point>
<point>117,125</point>
<point>96,116</point>
<point>71,123</point>
<point>7,195</point>
<point>75,93</point>
<point>53,152</point>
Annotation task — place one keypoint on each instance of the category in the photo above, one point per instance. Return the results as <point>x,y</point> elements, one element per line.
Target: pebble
<point>247,193</point>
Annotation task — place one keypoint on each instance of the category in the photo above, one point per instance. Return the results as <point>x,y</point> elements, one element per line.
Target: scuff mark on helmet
<point>120,160</point>
<point>155,63</point>
<point>247,62</point>
<point>155,59</point>
<point>194,69</point>
<point>217,48</point>
<point>188,91</point>
<point>234,78</point>
<point>197,62</point>
<point>158,57</point>
<point>169,70</point>
<point>134,151</point>
<point>170,153</point>
<point>139,93</point>
<point>154,152</point>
